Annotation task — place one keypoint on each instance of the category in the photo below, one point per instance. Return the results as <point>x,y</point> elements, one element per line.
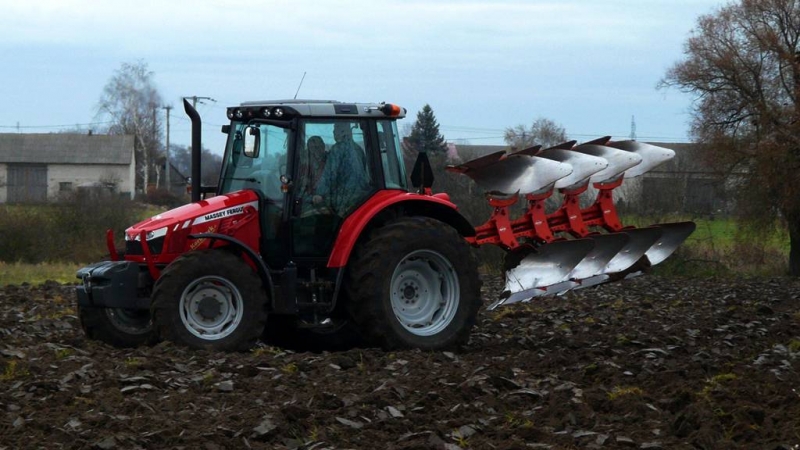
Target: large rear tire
<point>122,328</point>
<point>210,299</point>
<point>414,284</point>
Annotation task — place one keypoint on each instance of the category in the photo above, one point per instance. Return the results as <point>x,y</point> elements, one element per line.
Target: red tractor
<point>313,233</point>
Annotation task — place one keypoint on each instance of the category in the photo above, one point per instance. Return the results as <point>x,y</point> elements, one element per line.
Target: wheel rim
<point>130,321</point>
<point>424,292</point>
<point>211,307</point>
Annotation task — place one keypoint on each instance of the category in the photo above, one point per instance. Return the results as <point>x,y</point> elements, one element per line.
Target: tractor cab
<point>312,164</point>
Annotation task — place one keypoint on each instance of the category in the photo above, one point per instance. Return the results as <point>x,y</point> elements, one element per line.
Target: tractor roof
<point>285,109</point>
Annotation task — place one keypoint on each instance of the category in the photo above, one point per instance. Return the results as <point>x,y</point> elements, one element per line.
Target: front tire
<point>414,284</point>
<point>122,328</point>
<point>209,299</point>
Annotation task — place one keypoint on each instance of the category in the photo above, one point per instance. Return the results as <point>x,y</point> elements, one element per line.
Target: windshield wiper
<point>251,179</point>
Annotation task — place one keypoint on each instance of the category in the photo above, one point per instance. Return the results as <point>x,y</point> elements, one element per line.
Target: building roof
<point>61,148</point>
<point>469,152</point>
<point>689,158</point>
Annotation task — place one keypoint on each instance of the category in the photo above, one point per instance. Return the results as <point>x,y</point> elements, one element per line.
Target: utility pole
<point>196,99</point>
<point>166,179</point>
<point>155,142</point>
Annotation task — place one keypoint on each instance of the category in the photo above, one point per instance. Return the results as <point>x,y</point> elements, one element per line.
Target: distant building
<point>43,167</point>
<point>688,183</point>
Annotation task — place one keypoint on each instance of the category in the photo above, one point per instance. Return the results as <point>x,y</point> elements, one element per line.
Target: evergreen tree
<point>425,136</point>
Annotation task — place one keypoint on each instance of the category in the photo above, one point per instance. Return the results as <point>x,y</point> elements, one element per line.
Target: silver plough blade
<point>639,241</point>
<point>652,156</point>
<point>583,165</point>
<point>590,271</point>
<point>478,163</point>
<point>618,161</point>
<point>606,247</point>
<point>672,236</point>
<point>519,174</point>
<point>548,265</point>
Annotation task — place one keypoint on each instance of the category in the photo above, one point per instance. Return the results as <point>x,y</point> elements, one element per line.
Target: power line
<point>186,119</point>
<point>196,100</point>
<point>55,126</point>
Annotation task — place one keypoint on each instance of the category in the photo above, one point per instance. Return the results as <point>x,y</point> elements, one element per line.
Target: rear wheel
<point>414,284</point>
<point>122,328</point>
<point>209,299</point>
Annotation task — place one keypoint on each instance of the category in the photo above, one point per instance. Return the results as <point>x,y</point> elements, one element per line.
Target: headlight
<point>155,234</point>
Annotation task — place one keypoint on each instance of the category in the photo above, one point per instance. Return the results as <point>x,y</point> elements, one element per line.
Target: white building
<point>41,167</point>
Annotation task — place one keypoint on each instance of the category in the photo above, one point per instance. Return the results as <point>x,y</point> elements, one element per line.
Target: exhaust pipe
<point>196,134</point>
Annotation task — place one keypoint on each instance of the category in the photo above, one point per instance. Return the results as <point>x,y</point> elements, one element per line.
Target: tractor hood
<point>194,215</point>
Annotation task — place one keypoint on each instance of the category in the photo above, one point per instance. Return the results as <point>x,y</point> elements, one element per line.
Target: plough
<point>571,247</point>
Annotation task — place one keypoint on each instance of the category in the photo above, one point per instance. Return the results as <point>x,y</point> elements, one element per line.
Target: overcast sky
<point>481,65</point>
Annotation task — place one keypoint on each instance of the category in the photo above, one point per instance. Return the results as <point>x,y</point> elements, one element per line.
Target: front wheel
<point>209,299</point>
<point>122,328</point>
<point>414,284</point>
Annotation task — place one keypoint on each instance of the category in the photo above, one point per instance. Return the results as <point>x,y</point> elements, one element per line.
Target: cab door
<point>335,173</point>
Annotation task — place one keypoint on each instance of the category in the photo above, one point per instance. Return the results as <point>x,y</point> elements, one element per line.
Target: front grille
<point>135,247</point>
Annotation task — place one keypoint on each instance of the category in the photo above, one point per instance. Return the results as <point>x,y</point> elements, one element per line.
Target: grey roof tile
<point>65,149</point>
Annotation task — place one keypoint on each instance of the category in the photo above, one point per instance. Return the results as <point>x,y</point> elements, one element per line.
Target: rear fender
<point>369,214</point>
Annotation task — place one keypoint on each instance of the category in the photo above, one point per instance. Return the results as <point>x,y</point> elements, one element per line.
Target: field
<point>653,362</point>
<point>697,355</point>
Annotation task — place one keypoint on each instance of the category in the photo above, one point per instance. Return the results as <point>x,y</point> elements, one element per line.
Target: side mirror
<point>252,141</point>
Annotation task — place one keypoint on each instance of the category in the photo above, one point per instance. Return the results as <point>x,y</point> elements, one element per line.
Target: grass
<point>18,273</point>
<point>41,242</point>
<point>715,383</point>
<point>717,248</point>
<point>13,371</point>
<point>722,247</point>
<point>620,391</point>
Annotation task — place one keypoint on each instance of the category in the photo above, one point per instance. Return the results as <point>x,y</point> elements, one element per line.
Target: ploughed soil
<point>646,363</point>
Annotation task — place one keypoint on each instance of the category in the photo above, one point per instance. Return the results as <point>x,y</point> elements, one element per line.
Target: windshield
<point>261,173</point>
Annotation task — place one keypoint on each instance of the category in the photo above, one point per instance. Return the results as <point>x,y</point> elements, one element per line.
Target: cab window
<point>261,172</point>
<point>391,157</point>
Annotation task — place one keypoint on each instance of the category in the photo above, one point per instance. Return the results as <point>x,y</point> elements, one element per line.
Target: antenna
<point>633,128</point>
<point>301,85</point>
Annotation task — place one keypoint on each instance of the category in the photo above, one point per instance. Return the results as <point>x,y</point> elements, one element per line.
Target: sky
<point>483,66</point>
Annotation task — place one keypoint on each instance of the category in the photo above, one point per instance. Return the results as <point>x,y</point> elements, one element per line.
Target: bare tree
<point>542,132</point>
<point>130,99</point>
<point>742,62</point>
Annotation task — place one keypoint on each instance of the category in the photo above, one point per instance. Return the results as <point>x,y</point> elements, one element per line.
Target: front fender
<point>261,266</point>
